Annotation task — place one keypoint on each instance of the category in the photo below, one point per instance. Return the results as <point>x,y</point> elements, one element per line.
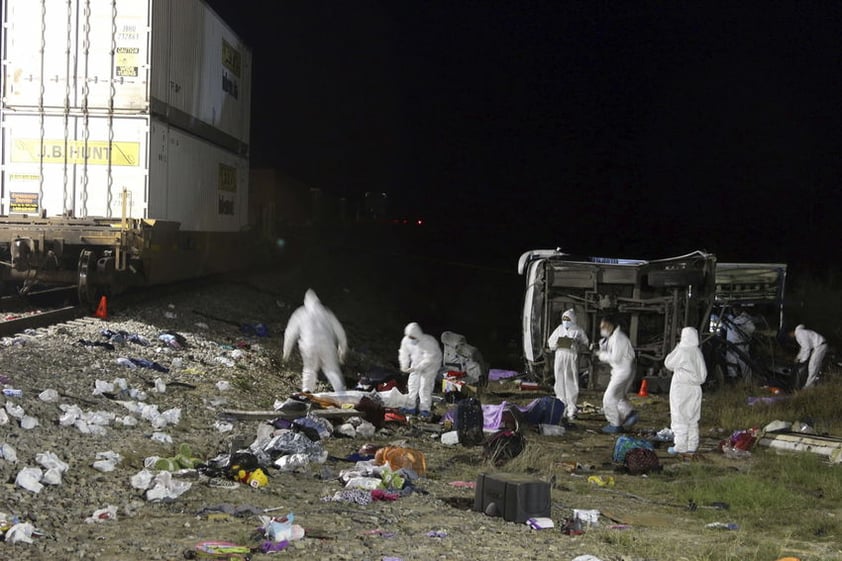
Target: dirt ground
<point>374,298</point>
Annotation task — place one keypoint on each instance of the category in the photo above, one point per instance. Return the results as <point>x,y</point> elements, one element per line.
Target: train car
<point>125,143</point>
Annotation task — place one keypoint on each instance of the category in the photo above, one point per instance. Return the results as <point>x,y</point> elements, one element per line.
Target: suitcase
<point>513,496</point>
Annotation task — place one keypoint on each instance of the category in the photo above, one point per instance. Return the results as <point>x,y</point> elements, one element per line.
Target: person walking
<point>321,342</point>
<point>616,349</point>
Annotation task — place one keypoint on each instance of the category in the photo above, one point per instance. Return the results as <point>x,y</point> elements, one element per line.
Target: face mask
<point>605,333</point>
<point>567,324</point>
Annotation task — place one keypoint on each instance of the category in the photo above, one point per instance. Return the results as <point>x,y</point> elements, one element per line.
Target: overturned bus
<point>651,300</point>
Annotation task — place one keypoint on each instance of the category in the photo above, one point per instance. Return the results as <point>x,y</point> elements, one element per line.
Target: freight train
<point>125,144</point>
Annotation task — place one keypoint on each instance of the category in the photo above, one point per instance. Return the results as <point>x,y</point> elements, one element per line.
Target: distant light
<point>280,242</point>
<point>420,222</point>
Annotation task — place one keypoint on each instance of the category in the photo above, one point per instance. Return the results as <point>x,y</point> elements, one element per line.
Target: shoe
<point>425,415</point>
<point>672,451</point>
<point>612,429</point>
<point>407,411</point>
<point>631,420</point>
<point>222,483</point>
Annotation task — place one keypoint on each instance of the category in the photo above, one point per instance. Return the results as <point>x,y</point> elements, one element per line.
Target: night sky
<point>638,129</point>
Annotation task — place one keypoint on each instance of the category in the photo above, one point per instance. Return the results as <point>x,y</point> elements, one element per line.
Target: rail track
<point>38,309</point>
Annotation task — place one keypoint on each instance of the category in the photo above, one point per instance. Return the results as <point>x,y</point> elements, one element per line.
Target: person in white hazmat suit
<point>616,349</point>
<point>813,348</point>
<point>738,332</point>
<point>419,356</point>
<point>565,340</point>
<point>688,374</point>
<point>321,342</point>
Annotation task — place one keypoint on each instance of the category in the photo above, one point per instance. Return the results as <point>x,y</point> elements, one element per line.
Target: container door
<point>65,165</point>
<point>70,56</point>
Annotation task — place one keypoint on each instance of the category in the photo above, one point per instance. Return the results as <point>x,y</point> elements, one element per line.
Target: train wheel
<point>87,267</point>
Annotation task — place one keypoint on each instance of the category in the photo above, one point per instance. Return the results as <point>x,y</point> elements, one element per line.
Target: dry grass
<point>784,504</point>
<point>819,406</point>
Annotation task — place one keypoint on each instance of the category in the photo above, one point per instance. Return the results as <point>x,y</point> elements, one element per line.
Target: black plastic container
<point>514,497</point>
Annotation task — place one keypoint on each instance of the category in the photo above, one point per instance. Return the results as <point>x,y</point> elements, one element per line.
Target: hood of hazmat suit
<point>686,360</point>
<point>689,337</point>
<point>413,330</point>
<point>311,301</point>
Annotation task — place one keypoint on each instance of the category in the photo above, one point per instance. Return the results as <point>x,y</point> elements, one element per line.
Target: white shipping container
<point>172,58</point>
<point>195,182</point>
<point>74,165</point>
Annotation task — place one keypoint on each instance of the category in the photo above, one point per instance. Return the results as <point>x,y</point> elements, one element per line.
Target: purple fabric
<point>269,546</point>
<point>766,400</point>
<point>492,414</point>
<point>494,374</point>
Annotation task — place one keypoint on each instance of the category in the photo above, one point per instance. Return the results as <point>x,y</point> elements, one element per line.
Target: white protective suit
<point>738,332</point>
<point>619,353</point>
<point>688,374</point>
<point>565,340</point>
<point>814,347</point>
<point>420,356</point>
<point>321,342</point>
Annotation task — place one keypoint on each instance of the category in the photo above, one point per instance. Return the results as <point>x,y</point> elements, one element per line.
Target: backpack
<point>642,460</point>
<point>502,446</point>
<point>624,444</point>
<point>545,411</point>
<point>469,421</point>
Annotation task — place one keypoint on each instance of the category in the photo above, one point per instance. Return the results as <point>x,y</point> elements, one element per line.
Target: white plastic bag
<point>48,396</point>
<point>52,477</point>
<point>126,421</point>
<point>14,410</point>
<point>20,533</point>
<point>173,416</point>
<point>142,479</point>
<point>48,460</point>
<point>165,487</point>
<point>30,479</point>
<point>162,437</point>
<point>222,426</point>
<point>367,483</point>
<point>8,453</point>
<point>101,387</point>
<point>103,514</point>
<point>29,422</point>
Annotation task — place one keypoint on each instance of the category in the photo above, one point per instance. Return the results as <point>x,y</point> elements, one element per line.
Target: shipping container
<point>79,166</point>
<point>173,59</point>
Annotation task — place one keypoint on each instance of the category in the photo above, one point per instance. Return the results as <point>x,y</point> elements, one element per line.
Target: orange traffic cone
<point>644,389</point>
<point>102,309</point>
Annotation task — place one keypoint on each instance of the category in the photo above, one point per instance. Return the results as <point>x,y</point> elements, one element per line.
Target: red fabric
<point>381,495</point>
<point>386,386</point>
<point>394,417</point>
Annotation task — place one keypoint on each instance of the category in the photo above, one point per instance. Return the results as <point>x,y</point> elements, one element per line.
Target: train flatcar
<point>125,143</point>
